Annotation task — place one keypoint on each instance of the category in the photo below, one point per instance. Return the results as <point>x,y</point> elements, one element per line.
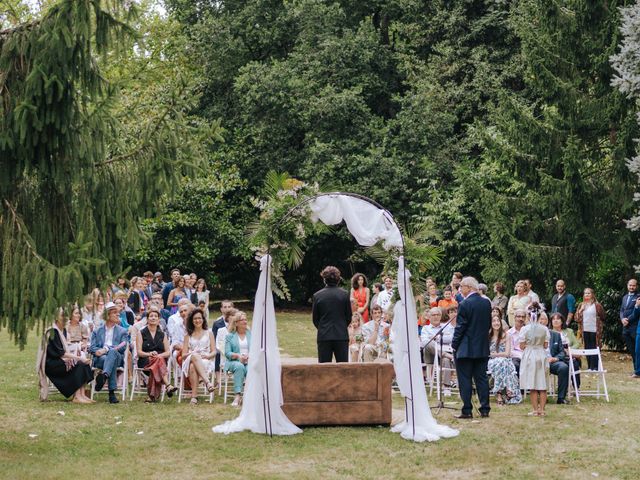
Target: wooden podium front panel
<point>338,394</point>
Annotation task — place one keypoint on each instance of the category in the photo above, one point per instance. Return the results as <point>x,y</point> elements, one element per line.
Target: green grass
<point>101,441</point>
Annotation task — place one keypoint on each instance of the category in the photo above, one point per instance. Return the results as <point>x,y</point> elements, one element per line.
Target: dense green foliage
<point>82,165</point>
<point>493,123</point>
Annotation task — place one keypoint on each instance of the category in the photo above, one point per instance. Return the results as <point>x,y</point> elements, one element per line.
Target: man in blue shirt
<point>563,302</point>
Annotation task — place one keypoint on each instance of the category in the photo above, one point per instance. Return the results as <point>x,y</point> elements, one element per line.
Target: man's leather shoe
<point>484,414</point>
<point>100,381</point>
<point>113,398</point>
<point>464,416</point>
<point>562,402</point>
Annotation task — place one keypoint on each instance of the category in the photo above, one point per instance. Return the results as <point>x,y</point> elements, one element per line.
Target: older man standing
<point>471,346</point>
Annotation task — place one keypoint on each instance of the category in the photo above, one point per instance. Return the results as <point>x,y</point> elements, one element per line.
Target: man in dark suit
<point>471,346</point>
<point>559,365</point>
<point>629,320</point>
<point>331,316</point>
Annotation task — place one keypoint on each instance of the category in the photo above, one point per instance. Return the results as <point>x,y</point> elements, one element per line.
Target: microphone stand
<point>440,333</point>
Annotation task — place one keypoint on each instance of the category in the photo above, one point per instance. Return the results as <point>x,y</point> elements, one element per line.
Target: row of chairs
<point>434,381</point>
<point>138,380</point>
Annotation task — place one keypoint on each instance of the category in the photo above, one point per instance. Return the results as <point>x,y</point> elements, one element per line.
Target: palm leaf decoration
<point>284,225</point>
<point>420,255</point>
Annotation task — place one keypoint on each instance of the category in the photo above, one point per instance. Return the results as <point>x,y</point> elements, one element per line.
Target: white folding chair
<point>200,388</point>
<point>139,381</point>
<point>228,379</point>
<point>435,380</point>
<point>601,382</point>
<point>122,376</point>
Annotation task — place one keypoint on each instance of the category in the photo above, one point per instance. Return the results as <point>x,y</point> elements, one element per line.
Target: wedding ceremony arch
<point>369,223</point>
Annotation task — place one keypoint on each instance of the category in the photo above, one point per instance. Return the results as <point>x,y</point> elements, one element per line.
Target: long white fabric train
<point>262,404</point>
<point>419,424</point>
<point>261,409</point>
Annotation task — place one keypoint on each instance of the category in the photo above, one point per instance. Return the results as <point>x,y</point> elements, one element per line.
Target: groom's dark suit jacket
<point>331,313</point>
<point>471,336</point>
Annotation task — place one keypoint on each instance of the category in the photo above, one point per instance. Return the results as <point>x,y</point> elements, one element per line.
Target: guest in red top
<point>361,294</point>
<point>448,299</point>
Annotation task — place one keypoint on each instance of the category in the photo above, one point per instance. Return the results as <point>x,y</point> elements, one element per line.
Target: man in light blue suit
<point>108,344</point>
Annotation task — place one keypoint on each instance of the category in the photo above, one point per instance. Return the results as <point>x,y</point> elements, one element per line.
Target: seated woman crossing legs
<point>198,352</point>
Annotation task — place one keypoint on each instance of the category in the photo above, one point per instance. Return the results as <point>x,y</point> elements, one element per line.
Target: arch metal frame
<point>266,404</point>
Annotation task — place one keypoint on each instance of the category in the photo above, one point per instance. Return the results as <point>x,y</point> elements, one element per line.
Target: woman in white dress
<point>534,367</point>
<point>198,352</point>
<point>519,301</point>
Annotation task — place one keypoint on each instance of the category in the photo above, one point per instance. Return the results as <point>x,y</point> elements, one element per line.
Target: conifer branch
<point>18,225</point>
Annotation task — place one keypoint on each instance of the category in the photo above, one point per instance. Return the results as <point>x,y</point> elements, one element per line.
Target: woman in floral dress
<point>505,381</point>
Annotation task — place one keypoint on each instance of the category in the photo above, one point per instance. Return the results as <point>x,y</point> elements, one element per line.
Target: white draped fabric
<point>419,424</point>
<point>261,408</point>
<point>366,222</point>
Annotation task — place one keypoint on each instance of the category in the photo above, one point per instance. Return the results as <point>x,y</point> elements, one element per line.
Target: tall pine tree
<point>553,186</point>
<point>72,195</point>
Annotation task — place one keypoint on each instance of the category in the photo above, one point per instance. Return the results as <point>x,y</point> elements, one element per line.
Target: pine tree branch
<point>22,26</point>
<point>146,143</point>
<point>18,224</point>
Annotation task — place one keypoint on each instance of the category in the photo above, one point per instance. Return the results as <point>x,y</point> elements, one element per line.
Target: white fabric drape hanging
<point>419,424</point>
<point>366,222</point>
<point>261,409</point>
<point>262,402</point>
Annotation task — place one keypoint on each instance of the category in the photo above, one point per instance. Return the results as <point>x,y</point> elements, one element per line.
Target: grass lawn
<point>171,440</point>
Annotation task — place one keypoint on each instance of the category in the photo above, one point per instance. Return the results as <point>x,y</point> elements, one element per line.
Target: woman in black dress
<point>153,350</point>
<point>67,371</point>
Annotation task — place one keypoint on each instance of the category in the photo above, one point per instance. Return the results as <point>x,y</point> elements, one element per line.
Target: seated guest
<point>177,328</point>
<point>137,299</point>
<point>89,313</point>
<point>506,387</point>
<point>431,347</point>
<point>66,370</point>
<point>156,301</point>
<point>373,335</point>
<point>236,351</point>
<point>534,340</point>
<point>355,337</point>
<point>514,334</point>
<point>108,344</point>
<point>448,299</point>
<point>497,311</point>
<point>227,310</point>
<point>153,350</point>
<point>77,332</point>
<point>558,324</point>
<point>127,317</point>
<point>198,353</point>
<point>559,363</point>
